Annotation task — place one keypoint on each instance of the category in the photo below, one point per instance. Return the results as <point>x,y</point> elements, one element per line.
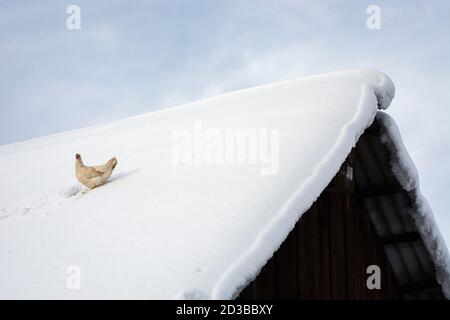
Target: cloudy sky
<point>132,57</point>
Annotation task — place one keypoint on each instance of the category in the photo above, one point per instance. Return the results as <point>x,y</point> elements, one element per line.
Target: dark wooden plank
<point>304,251</point>
<point>361,220</point>
<point>313,275</point>
<point>316,254</point>
<point>301,287</point>
<point>398,238</point>
<point>324,232</point>
<point>380,191</point>
<point>371,256</point>
<point>354,251</point>
<point>337,248</point>
<point>286,260</point>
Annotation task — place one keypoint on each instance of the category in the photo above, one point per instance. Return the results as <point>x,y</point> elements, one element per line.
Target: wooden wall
<point>327,253</point>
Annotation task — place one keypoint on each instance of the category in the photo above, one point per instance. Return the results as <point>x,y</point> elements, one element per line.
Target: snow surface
<point>163,229</point>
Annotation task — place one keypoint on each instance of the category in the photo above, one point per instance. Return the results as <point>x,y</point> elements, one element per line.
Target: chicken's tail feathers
<point>113,162</point>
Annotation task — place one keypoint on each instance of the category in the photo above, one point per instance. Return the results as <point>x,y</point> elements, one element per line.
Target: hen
<point>93,176</point>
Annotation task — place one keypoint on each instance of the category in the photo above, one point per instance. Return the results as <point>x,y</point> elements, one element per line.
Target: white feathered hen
<point>93,176</point>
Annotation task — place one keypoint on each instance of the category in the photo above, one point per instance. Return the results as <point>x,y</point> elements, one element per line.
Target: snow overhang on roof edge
<point>405,171</point>
<point>374,83</point>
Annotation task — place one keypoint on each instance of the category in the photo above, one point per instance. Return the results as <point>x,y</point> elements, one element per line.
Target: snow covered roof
<point>202,197</point>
